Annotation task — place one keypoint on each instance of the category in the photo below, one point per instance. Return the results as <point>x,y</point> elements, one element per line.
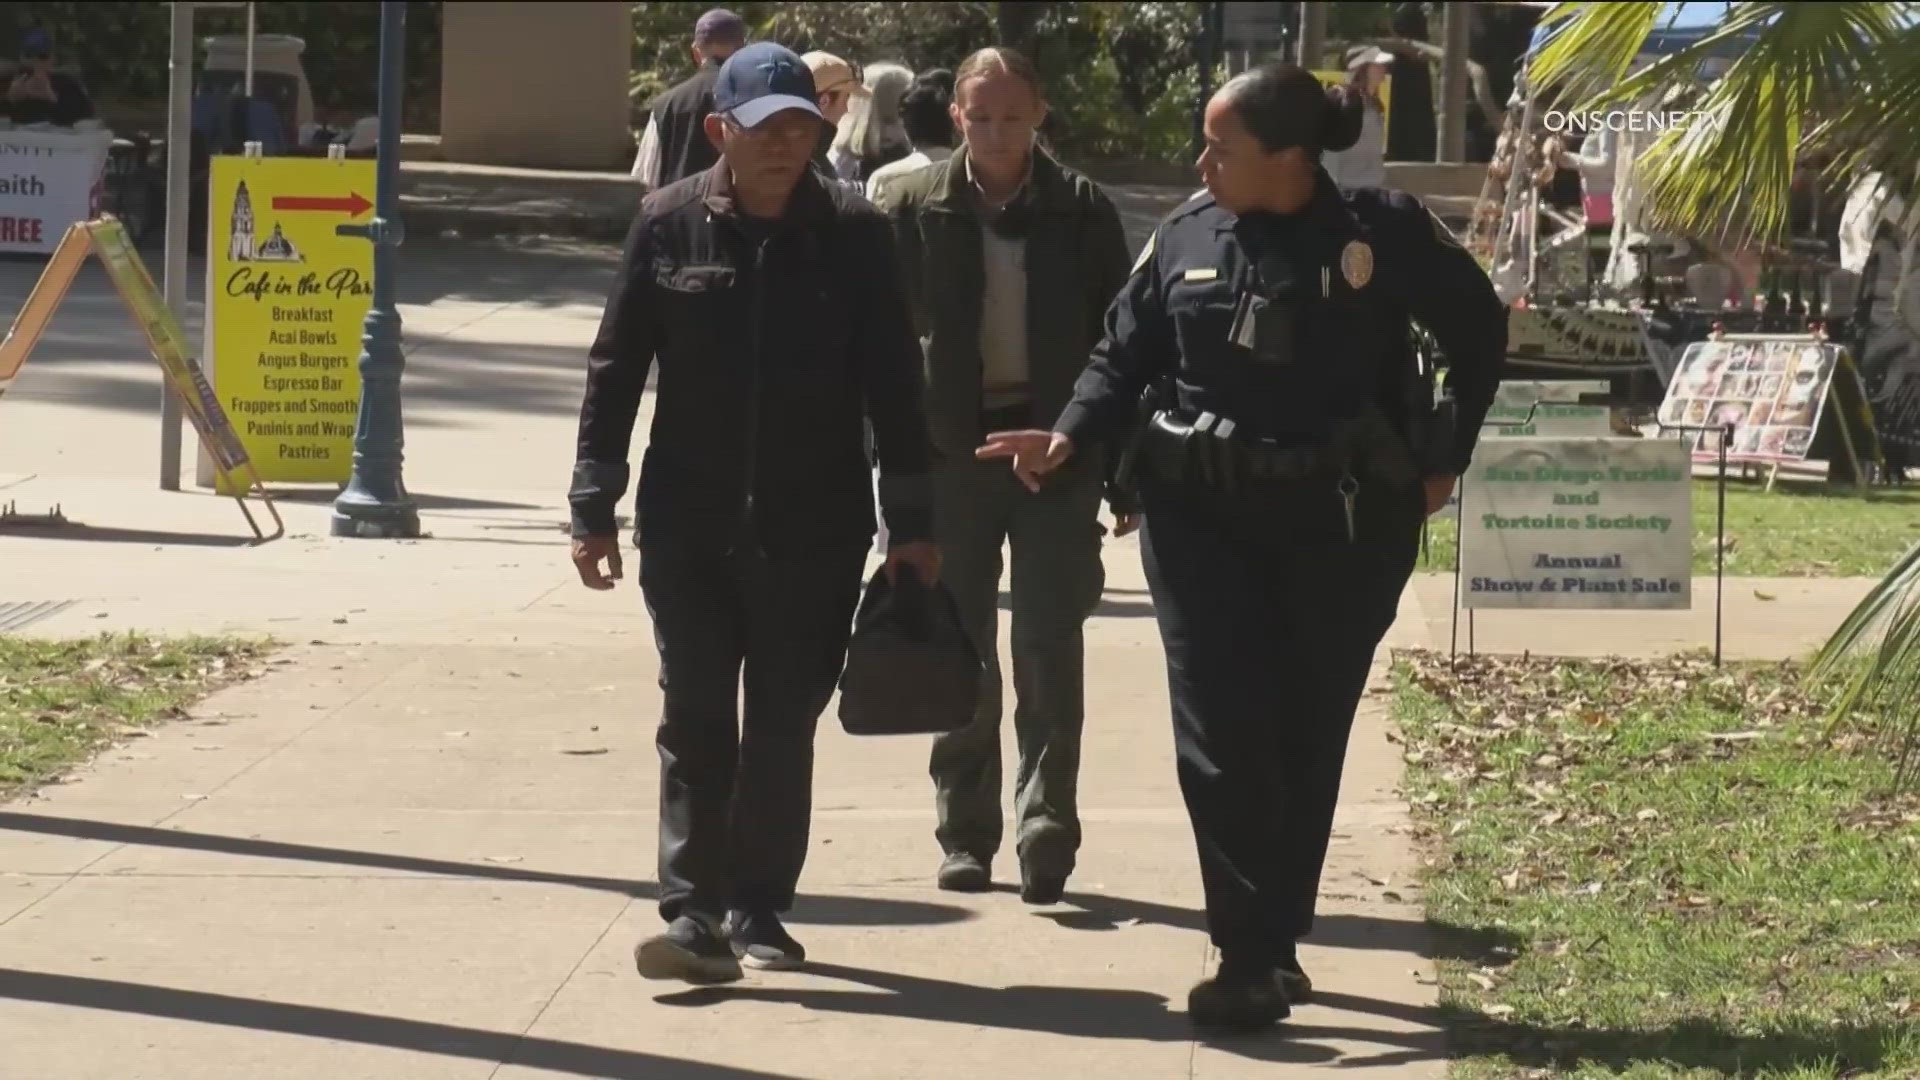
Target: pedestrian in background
<point>925,115</point>
<point>675,144</point>
<point>839,83</point>
<point>1011,259</point>
<point>872,135</point>
<point>1285,477</point>
<point>1364,164</point>
<point>770,298</point>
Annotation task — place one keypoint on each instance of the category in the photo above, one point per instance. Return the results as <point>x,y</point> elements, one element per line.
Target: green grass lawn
<point>1797,530</point>
<point>1660,870</point>
<point>61,701</point>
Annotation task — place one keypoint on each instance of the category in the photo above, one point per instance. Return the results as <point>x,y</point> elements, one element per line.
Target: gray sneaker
<point>761,942</point>
<point>691,950</point>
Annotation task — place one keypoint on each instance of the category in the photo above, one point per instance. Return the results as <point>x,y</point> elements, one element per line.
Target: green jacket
<point>1077,262</point>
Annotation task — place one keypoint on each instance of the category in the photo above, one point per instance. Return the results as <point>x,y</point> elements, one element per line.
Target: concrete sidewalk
<point>427,859</point>
<point>422,845</point>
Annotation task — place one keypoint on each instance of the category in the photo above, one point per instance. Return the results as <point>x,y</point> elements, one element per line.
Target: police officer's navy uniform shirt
<point>1347,346</point>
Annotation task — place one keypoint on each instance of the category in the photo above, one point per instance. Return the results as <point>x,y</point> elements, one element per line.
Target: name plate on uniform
<point>1598,524</point>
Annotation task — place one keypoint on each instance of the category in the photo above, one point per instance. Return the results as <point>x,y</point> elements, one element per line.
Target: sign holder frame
<point>106,237</point>
<point>1719,546</point>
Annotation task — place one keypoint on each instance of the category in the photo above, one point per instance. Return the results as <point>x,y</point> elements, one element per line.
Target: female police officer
<point>1284,481</point>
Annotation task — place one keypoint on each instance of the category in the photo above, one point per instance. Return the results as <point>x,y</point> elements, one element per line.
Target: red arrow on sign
<point>354,204</point>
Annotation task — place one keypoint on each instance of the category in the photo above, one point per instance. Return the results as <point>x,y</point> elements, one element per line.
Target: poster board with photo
<point>1779,392</point>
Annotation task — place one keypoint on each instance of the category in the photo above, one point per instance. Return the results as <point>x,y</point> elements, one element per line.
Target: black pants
<point>1270,618</point>
<point>980,508</point>
<point>736,792</point>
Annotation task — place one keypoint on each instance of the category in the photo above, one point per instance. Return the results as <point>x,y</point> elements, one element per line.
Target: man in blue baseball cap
<point>40,95</point>
<point>771,300</point>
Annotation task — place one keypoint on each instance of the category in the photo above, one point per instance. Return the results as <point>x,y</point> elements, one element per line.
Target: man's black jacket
<point>774,341</point>
<point>679,118</point>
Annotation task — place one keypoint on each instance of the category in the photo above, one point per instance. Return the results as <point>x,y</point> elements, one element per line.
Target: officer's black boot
<point>1293,980</point>
<point>1244,995</point>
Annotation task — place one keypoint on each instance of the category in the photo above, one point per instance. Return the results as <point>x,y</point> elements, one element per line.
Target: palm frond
<point>1730,173</point>
<point>1875,655</point>
<point>1877,127</point>
<point>1593,50</point>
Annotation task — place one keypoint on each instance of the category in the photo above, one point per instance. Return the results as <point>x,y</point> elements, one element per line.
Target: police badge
<point>1356,264</point>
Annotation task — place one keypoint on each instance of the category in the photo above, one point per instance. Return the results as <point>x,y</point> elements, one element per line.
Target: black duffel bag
<point>911,668</point>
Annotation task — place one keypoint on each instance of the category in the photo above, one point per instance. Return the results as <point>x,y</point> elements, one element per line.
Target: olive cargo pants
<point>1054,536</point>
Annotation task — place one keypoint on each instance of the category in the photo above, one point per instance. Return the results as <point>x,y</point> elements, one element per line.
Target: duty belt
<point>1208,450</point>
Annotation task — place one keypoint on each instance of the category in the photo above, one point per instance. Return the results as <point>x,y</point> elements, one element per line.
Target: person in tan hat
<point>837,83</point>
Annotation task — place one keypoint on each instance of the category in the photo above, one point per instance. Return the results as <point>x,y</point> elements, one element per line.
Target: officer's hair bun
<point>1284,106</point>
<point>1343,116</point>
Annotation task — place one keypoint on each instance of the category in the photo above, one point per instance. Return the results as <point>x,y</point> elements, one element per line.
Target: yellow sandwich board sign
<point>108,239</point>
<point>287,297</point>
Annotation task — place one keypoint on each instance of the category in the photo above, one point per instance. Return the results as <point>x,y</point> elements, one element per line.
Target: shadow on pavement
<point>98,535</point>
<point>1080,1012</point>
<point>811,910</point>
<point>446,1040</point>
<point>327,495</point>
<point>1425,938</point>
<point>1120,609</point>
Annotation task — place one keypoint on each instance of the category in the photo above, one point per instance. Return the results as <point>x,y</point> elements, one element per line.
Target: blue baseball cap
<point>36,42</point>
<point>763,79</point>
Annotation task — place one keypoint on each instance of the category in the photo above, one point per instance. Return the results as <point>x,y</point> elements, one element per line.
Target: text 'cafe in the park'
<point>288,295</point>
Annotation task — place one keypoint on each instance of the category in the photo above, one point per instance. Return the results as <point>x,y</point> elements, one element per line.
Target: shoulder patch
<point>1146,252</point>
<point>1198,203</point>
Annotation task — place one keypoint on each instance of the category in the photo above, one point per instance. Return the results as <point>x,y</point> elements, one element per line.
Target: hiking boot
<point>961,872</point>
<point>691,950</point>
<point>1240,997</point>
<point>1293,980</point>
<point>761,942</point>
